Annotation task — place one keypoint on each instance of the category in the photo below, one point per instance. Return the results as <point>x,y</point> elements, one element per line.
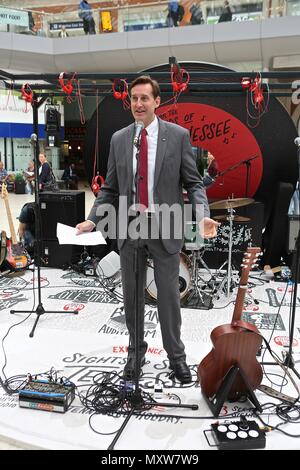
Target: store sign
<point>18,18</point>
<point>141,27</point>
<point>68,25</point>
<point>255,16</point>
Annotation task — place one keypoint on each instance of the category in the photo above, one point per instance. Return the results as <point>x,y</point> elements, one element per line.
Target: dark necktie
<point>143,169</point>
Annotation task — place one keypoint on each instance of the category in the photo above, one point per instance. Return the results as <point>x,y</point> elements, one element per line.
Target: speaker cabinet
<point>55,255</point>
<point>66,207</point>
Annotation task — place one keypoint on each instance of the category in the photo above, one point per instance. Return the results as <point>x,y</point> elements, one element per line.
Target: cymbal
<point>235,218</point>
<point>230,203</point>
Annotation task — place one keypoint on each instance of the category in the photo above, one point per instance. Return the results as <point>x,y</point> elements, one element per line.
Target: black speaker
<point>52,119</point>
<point>276,232</point>
<point>55,255</point>
<point>66,207</point>
<point>52,126</point>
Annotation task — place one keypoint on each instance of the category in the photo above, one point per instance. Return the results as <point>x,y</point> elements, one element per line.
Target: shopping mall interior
<point>229,76</point>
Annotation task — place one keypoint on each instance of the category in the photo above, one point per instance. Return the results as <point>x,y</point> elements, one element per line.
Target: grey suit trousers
<point>166,272</point>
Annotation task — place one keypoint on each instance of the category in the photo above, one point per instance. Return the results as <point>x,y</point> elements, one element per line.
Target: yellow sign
<point>106,21</point>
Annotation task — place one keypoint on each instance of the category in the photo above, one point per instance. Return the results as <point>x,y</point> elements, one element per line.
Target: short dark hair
<point>143,80</point>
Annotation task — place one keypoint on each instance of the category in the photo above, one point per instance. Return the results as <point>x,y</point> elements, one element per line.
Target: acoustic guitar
<point>235,346</point>
<point>17,257</point>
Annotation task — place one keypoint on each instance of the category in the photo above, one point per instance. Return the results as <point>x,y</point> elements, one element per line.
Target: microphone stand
<point>37,246</point>
<point>237,165</point>
<point>289,361</point>
<point>136,400</point>
<point>246,162</point>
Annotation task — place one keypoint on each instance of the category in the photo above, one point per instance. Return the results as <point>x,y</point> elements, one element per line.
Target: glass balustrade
<point>119,16</point>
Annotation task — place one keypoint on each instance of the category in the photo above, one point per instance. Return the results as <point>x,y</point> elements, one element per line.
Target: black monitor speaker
<point>52,127</point>
<point>66,207</point>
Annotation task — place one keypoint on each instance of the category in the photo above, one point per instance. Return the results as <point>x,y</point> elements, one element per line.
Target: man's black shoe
<point>181,372</point>
<point>129,369</point>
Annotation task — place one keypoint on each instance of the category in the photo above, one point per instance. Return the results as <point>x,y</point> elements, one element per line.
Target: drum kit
<point>195,277</point>
<point>198,285</point>
<point>230,204</point>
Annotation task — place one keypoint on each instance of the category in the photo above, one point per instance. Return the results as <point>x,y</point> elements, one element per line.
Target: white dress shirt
<point>152,135</point>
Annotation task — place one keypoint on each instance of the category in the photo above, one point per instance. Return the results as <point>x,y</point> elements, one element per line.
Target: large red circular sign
<point>228,139</point>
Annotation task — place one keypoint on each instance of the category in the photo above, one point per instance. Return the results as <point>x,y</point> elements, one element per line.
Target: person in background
<point>29,178</point>
<point>211,172</point>
<point>70,177</point>
<point>172,18</point>
<point>26,230</point>
<point>226,14</point>
<point>169,163</point>
<point>196,14</point>
<point>45,172</point>
<point>85,13</point>
<point>63,33</point>
<point>3,173</point>
<point>31,23</point>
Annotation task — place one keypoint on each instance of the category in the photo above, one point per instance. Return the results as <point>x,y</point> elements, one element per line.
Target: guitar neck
<point>10,223</point>
<point>249,260</point>
<point>239,303</point>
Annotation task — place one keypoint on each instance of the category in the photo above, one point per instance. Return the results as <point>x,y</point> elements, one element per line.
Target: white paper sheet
<point>68,236</point>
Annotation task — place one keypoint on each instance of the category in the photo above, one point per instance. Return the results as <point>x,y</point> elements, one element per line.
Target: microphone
<point>297,141</point>
<point>33,138</point>
<point>139,126</point>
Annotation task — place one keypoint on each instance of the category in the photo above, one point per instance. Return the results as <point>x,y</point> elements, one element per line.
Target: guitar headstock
<point>249,261</point>
<point>4,193</point>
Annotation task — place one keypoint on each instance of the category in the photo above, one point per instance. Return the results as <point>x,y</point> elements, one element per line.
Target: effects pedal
<point>243,434</point>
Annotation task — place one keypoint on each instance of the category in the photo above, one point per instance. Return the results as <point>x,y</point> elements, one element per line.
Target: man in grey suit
<point>170,165</point>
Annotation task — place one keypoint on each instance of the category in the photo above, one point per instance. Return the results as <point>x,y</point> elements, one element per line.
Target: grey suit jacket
<point>175,168</point>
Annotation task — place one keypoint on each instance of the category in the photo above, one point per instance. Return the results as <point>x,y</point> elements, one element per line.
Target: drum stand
<point>205,297</point>
<point>228,279</point>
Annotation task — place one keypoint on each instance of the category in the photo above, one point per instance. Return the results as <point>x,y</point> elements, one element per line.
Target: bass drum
<point>185,273</point>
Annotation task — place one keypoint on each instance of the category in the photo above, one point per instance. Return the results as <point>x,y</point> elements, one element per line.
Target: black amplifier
<point>47,395</point>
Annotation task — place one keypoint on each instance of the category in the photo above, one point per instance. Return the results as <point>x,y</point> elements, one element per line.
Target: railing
<point>148,15</point>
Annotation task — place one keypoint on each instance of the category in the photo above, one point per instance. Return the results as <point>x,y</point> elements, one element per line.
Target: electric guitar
<point>235,346</point>
<point>17,257</point>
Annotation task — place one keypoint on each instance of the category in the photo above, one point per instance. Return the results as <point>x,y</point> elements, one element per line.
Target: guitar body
<point>233,346</point>
<point>17,257</point>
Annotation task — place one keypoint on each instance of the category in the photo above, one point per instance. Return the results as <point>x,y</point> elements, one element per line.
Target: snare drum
<point>185,274</point>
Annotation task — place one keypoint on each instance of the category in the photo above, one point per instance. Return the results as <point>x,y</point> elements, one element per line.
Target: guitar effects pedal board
<point>47,395</point>
<point>235,435</point>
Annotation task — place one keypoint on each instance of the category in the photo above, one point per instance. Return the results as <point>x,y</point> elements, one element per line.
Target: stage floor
<point>81,346</point>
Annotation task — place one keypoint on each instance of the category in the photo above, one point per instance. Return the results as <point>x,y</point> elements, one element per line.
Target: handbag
<point>52,184</point>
